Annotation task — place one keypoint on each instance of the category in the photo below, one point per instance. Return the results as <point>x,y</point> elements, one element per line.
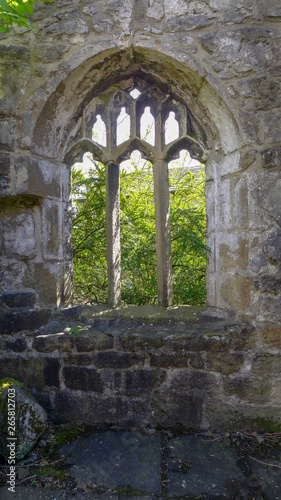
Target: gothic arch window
<point>136,116</point>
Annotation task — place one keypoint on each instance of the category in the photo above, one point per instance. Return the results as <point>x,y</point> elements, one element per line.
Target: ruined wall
<point>221,58</point>
<point>150,367</point>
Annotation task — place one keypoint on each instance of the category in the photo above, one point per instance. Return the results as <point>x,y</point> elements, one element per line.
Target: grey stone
<point>210,468</point>
<point>19,299</point>
<point>15,52</point>
<point>5,185</point>
<point>94,409</point>
<point>111,359</point>
<point>4,165</point>
<point>29,369</point>
<point>103,459</point>
<point>90,340</point>
<point>271,157</point>
<point>19,233</point>
<point>17,345</point>
<point>83,379</point>
<point>141,381</point>
<point>14,77</point>
<point>21,319</point>
<point>29,419</point>
<point>52,341</point>
<point>52,372</point>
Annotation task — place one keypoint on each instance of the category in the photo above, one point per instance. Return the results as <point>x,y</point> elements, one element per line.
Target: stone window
<point>136,116</point>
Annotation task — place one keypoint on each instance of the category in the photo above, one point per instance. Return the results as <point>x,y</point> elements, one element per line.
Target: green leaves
<point>138,236</point>
<point>16,12</point>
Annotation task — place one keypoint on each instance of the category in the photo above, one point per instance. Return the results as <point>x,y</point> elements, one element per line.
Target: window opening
<point>89,231</point>
<point>99,131</point>
<point>171,128</point>
<point>188,229</point>
<point>147,127</point>
<point>131,205</point>
<point>135,93</point>
<point>138,235</point>
<point>123,127</point>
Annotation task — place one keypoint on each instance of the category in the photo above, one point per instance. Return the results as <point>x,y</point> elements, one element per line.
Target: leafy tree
<point>16,12</point>
<point>138,235</point>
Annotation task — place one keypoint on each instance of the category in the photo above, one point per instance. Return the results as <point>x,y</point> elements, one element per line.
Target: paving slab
<point>201,467</point>
<point>114,464</point>
<point>116,459</point>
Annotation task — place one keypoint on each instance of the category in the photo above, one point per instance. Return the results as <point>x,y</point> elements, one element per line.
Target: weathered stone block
<point>270,125</point>
<point>19,299</point>
<point>4,164</point>
<point>27,369</point>
<point>242,337</point>
<point>271,336</point>
<point>197,360</point>
<point>242,416</point>
<point>57,341</point>
<point>165,360</point>
<point>236,291</point>
<point>224,363</point>
<point>5,185</point>
<point>235,253</point>
<point>241,201</point>
<point>271,157</point>
<point>16,275</point>
<point>18,344</point>
<point>140,382</point>
<point>177,409</point>
<point>78,359</point>
<point>112,359</point>
<point>252,390</point>
<point>202,339</point>
<point>91,340</point>
<point>232,51</point>
<point>91,409</point>
<point>52,230</point>
<point>51,372</point>
<point>272,246</point>
<point>70,23</point>
<point>14,76</point>
<point>19,236</point>
<point>140,341</point>
<point>47,277</point>
<point>83,379</point>
<point>188,23</point>
<point>155,9</point>
<point>41,178</point>
<point>265,364</point>
<point>23,319</point>
<point>47,53</point>
<point>19,52</point>
<point>259,93</point>
<point>269,284</point>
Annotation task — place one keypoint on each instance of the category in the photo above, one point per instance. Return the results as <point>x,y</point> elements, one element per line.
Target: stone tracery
<point>137,121</point>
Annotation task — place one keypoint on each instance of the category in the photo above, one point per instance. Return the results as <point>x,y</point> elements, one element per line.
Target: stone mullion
<point>133,115</point>
<point>113,251</point>
<point>163,232</point>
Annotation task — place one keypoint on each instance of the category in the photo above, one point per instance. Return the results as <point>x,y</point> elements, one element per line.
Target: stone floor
<point>115,464</point>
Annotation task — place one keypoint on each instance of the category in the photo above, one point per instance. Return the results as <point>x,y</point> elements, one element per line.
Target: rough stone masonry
<point>219,59</point>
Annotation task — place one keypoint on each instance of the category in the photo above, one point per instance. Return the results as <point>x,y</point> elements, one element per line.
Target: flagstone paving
<point>114,464</point>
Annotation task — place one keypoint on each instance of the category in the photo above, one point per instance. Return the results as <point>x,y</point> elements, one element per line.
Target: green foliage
<point>138,236</point>
<point>16,12</point>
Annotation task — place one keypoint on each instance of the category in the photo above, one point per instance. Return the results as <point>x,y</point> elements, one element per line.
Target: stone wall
<point>182,369</point>
<point>221,59</point>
